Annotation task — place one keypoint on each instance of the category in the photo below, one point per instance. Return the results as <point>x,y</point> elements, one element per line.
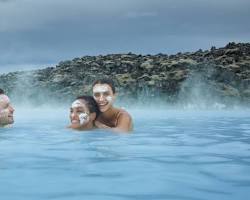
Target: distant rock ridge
<point>218,75</point>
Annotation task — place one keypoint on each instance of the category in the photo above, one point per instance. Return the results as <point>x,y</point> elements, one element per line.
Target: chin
<point>75,126</point>
<point>104,109</point>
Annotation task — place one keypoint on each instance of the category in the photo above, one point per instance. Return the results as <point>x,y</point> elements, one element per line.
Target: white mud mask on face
<point>84,118</point>
<point>100,89</point>
<point>109,98</point>
<point>76,104</point>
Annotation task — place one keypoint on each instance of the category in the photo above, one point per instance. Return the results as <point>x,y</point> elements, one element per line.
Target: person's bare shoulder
<point>125,122</point>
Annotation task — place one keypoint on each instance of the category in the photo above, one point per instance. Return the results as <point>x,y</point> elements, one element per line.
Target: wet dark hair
<point>1,91</point>
<point>91,103</point>
<point>105,81</point>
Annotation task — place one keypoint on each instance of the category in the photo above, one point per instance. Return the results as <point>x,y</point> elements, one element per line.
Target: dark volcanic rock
<point>221,75</point>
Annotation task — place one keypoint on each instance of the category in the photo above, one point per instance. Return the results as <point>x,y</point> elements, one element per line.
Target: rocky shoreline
<point>218,75</point>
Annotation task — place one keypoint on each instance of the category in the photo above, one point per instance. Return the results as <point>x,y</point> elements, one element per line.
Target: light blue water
<point>178,155</point>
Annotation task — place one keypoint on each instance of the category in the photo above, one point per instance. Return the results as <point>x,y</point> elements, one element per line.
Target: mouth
<point>75,122</point>
<point>10,116</point>
<point>103,104</point>
<point>10,119</point>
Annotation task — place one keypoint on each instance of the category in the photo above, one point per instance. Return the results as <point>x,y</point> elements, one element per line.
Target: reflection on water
<point>170,155</point>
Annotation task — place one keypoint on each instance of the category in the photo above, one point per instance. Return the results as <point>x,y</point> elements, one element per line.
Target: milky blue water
<point>180,155</point>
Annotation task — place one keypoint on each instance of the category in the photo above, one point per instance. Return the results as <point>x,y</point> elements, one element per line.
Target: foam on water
<point>170,155</point>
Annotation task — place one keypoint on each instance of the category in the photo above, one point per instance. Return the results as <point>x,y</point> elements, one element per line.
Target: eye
<point>97,94</point>
<point>106,94</point>
<point>80,110</point>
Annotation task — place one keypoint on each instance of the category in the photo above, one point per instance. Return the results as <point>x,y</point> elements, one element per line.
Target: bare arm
<point>124,123</point>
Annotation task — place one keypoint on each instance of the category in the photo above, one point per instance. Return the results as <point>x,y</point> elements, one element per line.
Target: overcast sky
<point>40,33</point>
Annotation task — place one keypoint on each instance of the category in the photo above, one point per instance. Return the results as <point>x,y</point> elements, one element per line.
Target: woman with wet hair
<point>111,118</point>
<point>83,113</point>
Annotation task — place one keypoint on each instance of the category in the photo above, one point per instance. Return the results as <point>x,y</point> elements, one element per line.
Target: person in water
<point>83,112</point>
<point>6,110</point>
<point>112,118</point>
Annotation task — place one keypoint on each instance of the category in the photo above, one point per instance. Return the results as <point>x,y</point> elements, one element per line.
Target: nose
<point>101,98</point>
<point>74,116</point>
<point>11,109</point>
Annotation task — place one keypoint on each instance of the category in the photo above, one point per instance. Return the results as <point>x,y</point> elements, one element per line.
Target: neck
<point>88,126</point>
<point>109,113</point>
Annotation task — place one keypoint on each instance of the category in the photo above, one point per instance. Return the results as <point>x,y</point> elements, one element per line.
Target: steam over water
<point>179,154</point>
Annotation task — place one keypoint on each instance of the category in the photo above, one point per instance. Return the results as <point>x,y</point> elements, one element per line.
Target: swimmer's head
<point>6,110</point>
<point>104,93</point>
<point>83,112</point>
<point>106,81</point>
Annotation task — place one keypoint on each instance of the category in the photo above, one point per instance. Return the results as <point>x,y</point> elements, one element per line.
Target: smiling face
<point>104,96</point>
<point>6,111</point>
<point>79,114</point>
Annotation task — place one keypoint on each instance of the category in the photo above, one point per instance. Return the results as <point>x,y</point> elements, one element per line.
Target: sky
<point>40,33</point>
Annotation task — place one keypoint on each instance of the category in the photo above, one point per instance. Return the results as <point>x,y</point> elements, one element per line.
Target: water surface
<point>180,155</point>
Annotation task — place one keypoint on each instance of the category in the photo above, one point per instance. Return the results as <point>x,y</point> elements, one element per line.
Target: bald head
<point>6,110</point>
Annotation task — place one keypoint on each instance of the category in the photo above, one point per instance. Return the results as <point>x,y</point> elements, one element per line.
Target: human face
<point>103,96</point>
<point>6,111</point>
<point>79,115</point>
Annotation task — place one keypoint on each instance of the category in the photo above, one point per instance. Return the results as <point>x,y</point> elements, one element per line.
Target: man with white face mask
<point>112,118</point>
<point>6,110</point>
